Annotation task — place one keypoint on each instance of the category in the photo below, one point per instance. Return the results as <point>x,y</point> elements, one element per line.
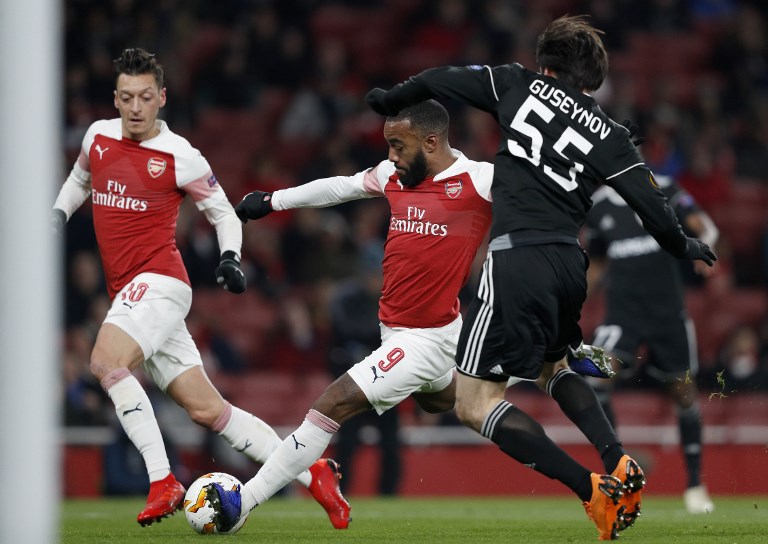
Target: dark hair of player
<point>137,61</point>
<point>573,50</point>
<point>428,117</point>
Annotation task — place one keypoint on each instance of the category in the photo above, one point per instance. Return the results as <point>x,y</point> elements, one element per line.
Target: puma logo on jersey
<point>101,151</point>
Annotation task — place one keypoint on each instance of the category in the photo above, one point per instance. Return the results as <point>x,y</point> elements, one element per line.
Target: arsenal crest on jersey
<point>453,188</point>
<point>156,167</point>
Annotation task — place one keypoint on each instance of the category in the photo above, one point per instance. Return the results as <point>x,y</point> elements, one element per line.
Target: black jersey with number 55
<point>556,148</point>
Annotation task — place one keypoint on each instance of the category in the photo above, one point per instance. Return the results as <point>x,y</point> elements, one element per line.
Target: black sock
<point>604,398</point>
<point>522,438</point>
<point>578,401</point>
<point>689,421</point>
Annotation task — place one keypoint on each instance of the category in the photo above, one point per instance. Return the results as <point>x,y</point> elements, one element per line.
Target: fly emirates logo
<point>415,223</point>
<point>115,198</point>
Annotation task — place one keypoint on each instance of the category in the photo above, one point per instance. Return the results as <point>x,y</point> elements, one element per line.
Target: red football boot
<point>325,489</point>
<point>165,497</point>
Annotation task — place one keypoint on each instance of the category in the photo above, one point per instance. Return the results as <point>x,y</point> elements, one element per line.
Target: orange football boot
<point>604,508</point>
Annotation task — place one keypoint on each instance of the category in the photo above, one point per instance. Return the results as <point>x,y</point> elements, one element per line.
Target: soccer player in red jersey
<point>137,172</point>
<point>441,212</point>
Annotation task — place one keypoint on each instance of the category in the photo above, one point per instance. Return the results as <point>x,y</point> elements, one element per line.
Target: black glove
<point>255,205</point>
<point>696,250</point>
<point>633,129</point>
<point>229,274</point>
<point>376,99</point>
<point>58,220</point>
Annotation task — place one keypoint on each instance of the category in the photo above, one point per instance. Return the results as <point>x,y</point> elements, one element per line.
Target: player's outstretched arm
<point>319,193</point>
<point>472,85</point>
<point>254,205</point>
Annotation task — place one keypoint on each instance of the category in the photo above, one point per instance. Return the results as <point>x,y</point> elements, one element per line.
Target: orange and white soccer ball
<point>197,508</point>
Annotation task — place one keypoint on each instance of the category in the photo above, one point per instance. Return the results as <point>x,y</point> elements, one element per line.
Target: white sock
<point>138,419</point>
<point>295,455</point>
<point>251,436</point>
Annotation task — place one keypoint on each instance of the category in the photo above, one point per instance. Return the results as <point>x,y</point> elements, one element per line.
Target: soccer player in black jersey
<point>645,305</point>
<point>557,147</point>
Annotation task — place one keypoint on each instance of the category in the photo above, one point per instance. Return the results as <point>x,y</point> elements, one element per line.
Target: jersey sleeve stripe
<point>203,195</point>
<point>625,170</point>
<point>493,83</point>
<point>371,182</point>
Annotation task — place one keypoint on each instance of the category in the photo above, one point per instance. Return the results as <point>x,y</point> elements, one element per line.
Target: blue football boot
<point>225,504</point>
<point>590,361</point>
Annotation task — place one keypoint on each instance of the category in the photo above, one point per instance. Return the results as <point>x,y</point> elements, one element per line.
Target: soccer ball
<point>198,510</point>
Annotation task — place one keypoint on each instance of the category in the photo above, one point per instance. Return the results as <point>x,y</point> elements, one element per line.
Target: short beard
<point>416,173</point>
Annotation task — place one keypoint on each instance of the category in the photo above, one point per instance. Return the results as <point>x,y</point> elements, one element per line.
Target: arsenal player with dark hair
<point>137,172</point>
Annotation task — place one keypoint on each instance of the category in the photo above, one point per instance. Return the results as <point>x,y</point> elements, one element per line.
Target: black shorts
<point>670,344</point>
<point>526,311</point>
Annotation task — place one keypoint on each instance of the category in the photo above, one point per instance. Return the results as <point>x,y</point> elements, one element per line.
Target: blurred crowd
<point>272,94</point>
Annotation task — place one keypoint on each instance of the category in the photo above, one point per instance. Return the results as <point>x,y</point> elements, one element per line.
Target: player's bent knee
<point>342,400</point>
<point>100,365</point>
<point>432,404</point>
<point>469,415</point>
<point>203,416</point>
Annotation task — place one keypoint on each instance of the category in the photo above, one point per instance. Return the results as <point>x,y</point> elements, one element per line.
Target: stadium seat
<point>203,44</point>
<point>669,53</point>
<point>742,226</point>
<point>365,33</point>
<point>249,321</point>
<point>749,192</point>
<point>746,409</point>
<point>717,315</point>
<point>271,396</point>
<point>642,408</point>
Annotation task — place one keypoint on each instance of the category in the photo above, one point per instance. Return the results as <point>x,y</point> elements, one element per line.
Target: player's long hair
<point>137,61</point>
<point>572,49</point>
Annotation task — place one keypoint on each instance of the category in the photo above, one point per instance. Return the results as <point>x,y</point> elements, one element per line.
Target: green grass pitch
<point>472,520</point>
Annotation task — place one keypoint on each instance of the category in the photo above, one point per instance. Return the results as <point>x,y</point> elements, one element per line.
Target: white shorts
<point>408,361</point>
<point>151,309</point>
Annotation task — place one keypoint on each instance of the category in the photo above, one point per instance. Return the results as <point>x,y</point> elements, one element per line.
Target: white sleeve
<point>325,192</point>
<point>229,229</point>
<point>711,233</point>
<point>76,189</point>
<point>484,180</point>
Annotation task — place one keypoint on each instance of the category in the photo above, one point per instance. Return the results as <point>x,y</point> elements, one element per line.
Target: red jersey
<point>136,191</point>
<point>435,231</point>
